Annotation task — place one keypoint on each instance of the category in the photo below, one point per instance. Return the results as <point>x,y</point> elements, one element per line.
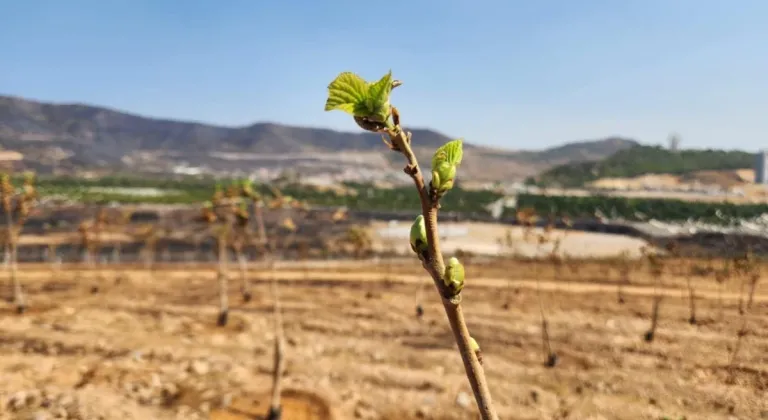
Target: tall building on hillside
<point>761,167</point>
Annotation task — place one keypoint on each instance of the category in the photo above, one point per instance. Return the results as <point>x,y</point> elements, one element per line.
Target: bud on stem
<point>454,276</point>
<point>445,162</point>
<point>418,237</point>
<point>476,348</point>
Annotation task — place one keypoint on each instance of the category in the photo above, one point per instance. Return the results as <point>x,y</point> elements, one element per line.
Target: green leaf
<point>450,153</point>
<point>378,94</point>
<point>352,94</point>
<point>444,163</point>
<point>348,93</point>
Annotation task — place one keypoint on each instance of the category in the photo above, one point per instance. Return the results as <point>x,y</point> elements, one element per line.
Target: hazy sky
<point>515,74</point>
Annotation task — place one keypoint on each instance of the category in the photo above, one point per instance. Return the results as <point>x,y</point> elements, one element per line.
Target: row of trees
<point>368,197</point>
<point>228,217</point>
<point>640,208</point>
<point>640,160</point>
<point>744,269</point>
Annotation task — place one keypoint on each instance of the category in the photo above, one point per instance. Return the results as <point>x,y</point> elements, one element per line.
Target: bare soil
<point>147,346</point>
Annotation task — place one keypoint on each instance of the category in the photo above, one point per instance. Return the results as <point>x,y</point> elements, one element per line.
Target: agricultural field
<point>251,303</point>
<point>145,343</point>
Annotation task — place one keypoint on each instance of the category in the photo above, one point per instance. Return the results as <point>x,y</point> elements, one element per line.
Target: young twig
<point>625,273</point>
<point>275,406</point>
<point>691,295</point>
<point>279,201</point>
<point>19,205</point>
<point>120,226</point>
<point>753,280</point>
<point>90,237</point>
<point>550,357</point>
<point>149,236</point>
<point>52,258</point>
<point>744,268</point>
<point>241,237</point>
<point>369,104</point>
<point>509,248</point>
<point>741,333</point>
<point>721,276</point>
<point>656,264</point>
<point>220,224</point>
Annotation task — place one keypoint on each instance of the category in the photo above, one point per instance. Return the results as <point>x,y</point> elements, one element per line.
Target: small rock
<point>463,400</point>
<point>205,407</point>
<point>33,398</point>
<point>145,396</point>
<point>349,395</point>
<point>208,394</point>
<point>170,390</point>
<point>226,400</point>
<point>41,415</point>
<point>364,413</point>
<point>534,396</point>
<point>154,381</point>
<point>65,400</point>
<point>199,367</point>
<point>218,340</point>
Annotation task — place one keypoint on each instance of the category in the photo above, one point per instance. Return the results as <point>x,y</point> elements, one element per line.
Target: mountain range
<point>75,137</point>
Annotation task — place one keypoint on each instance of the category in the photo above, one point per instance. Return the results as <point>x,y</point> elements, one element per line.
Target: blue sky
<point>507,73</point>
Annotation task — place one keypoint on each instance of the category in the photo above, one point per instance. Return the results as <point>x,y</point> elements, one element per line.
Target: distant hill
<point>640,160</point>
<point>76,137</point>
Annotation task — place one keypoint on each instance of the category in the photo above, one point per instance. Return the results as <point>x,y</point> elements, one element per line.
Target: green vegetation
<point>195,190</point>
<point>659,209</point>
<point>641,160</point>
<point>368,197</point>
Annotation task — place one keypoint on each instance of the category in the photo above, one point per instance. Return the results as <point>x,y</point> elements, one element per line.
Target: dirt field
<point>483,239</point>
<point>147,347</point>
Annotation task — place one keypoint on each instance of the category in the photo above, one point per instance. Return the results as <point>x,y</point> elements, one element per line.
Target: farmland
<point>145,344</point>
<point>252,303</point>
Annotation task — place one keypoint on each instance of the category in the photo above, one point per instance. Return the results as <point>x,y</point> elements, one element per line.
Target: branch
<point>435,266</point>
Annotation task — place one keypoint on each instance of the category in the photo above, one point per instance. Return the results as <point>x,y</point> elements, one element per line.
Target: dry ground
<point>147,347</point>
<point>483,239</point>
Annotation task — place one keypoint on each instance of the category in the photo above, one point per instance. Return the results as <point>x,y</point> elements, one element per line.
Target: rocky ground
<point>146,345</point>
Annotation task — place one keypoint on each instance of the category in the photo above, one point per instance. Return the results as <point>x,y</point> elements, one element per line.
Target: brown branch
<point>275,406</point>
<point>435,266</point>
<point>21,204</point>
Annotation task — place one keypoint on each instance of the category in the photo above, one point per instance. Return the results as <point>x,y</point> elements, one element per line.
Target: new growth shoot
<point>220,224</point>
<point>17,206</point>
<point>369,105</point>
